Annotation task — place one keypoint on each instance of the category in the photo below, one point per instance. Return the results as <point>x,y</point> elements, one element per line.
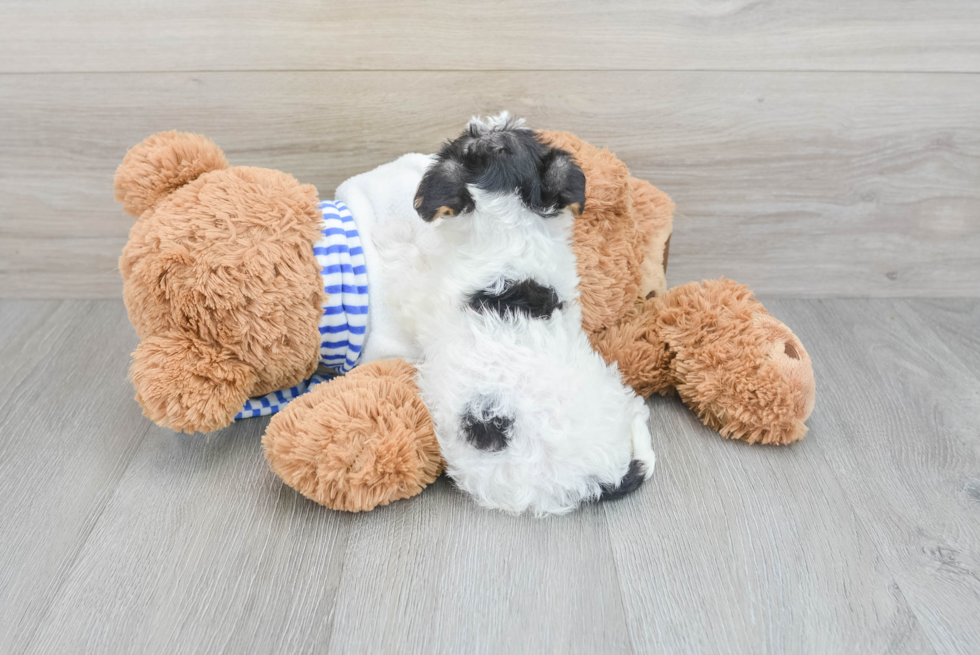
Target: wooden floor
<point>117,536</point>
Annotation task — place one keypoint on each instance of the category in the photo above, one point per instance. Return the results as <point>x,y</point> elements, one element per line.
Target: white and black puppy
<point>527,415</point>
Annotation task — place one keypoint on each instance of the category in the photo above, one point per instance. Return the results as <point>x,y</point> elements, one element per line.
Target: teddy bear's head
<point>220,280</point>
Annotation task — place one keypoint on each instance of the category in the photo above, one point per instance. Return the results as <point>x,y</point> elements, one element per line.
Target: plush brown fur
<point>220,281</point>
<point>742,371</point>
<point>360,441</point>
<point>653,211</point>
<point>222,288</point>
<point>714,343</point>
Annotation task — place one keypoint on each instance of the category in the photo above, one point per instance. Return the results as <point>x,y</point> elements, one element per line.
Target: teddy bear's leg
<point>188,385</point>
<point>639,350</point>
<point>742,371</point>
<point>358,441</point>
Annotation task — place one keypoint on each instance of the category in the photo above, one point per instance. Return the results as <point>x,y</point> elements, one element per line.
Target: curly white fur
<point>576,427</point>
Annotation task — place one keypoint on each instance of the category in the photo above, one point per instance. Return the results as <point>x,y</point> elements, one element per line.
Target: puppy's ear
<point>442,191</point>
<point>563,182</point>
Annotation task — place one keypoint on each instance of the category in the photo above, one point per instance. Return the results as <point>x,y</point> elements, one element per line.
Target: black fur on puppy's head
<point>500,155</point>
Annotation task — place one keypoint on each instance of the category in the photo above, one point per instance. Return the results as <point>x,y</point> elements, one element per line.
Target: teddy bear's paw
<point>358,441</point>
<point>187,385</point>
<point>739,368</point>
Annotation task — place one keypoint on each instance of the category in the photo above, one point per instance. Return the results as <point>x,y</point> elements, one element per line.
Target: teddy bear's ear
<point>442,191</point>
<point>563,182</point>
<point>161,164</point>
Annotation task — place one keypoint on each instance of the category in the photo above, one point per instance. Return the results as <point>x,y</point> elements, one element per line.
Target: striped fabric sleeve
<point>343,324</point>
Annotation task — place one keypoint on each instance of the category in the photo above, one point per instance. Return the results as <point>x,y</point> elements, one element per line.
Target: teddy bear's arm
<point>188,385</point>
<point>358,441</point>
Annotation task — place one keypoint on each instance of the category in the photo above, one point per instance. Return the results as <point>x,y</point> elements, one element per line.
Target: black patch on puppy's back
<point>490,433</point>
<point>526,297</point>
<point>630,482</point>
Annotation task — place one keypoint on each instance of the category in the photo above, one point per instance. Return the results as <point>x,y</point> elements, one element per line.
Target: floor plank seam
<point>790,71</point>
<point>870,541</point>
<point>340,581</point>
<point>619,582</point>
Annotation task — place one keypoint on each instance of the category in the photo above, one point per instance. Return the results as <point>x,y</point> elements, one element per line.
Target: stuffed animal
<point>250,297</point>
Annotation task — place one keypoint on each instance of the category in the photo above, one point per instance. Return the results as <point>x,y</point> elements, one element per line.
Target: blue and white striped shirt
<point>343,325</point>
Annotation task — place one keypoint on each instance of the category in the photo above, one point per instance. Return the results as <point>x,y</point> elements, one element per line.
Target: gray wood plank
<point>898,428</point>
<point>59,35</point>
<point>445,576</point>
<point>732,548</point>
<point>796,184</point>
<point>957,323</point>
<point>68,428</point>
<point>19,319</point>
<point>202,550</point>
<point>67,266</point>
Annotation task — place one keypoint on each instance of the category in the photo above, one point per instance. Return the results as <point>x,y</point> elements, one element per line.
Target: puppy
<point>527,415</point>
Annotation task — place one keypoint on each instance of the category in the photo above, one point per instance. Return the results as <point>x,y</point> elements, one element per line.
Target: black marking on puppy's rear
<point>490,433</point>
<point>630,483</point>
<point>500,157</point>
<point>525,297</point>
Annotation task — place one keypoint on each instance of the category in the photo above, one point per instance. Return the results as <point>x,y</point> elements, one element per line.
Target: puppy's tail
<point>634,477</point>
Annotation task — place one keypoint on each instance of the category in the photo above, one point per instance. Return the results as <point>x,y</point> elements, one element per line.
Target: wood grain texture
<point>740,549</point>
<point>448,577</point>
<point>899,430</point>
<point>68,429</point>
<point>53,35</point>
<point>117,536</point>
<point>796,184</point>
<point>18,321</point>
<point>958,326</point>
<point>202,550</point>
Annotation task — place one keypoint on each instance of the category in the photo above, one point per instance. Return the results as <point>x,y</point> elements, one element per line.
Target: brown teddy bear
<point>223,289</point>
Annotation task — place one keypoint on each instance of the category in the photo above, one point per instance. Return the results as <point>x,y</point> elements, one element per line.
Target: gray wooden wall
<point>813,148</point>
